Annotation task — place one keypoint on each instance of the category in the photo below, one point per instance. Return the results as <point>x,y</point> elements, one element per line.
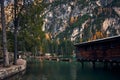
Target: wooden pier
<point>55,59</point>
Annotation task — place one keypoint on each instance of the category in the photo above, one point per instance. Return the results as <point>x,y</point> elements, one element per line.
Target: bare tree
<point>4,39</point>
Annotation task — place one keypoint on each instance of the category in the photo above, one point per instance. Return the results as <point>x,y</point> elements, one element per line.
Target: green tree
<point>30,33</point>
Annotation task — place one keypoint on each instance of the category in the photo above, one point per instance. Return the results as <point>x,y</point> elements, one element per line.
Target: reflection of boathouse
<point>106,49</point>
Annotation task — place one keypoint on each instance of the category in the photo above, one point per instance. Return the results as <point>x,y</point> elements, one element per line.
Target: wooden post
<point>105,65</point>
<point>82,62</point>
<point>111,65</point>
<point>93,62</point>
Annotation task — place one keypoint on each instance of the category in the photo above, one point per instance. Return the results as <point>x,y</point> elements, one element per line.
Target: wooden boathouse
<point>100,50</point>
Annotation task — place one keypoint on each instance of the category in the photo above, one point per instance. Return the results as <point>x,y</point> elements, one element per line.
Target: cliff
<point>82,20</point>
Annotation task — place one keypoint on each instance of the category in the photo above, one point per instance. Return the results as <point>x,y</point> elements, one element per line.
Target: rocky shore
<point>12,70</point>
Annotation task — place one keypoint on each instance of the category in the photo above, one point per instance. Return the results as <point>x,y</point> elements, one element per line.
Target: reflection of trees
<point>73,71</point>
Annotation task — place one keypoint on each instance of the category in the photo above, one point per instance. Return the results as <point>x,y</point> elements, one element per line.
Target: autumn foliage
<point>73,19</point>
<point>97,35</point>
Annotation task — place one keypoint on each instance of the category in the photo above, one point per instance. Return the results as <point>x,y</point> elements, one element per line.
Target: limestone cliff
<point>82,20</point>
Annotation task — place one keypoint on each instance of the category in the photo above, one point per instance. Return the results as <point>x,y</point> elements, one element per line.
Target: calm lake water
<point>52,70</point>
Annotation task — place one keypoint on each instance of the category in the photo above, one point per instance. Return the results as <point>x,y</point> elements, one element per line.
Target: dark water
<point>52,70</point>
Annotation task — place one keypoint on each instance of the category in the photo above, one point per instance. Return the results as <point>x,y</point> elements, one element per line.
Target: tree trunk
<point>4,39</point>
<point>15,31</point>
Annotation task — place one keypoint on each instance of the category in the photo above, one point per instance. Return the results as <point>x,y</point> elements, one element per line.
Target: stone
<point>117,10</point>
<point>21,62</point>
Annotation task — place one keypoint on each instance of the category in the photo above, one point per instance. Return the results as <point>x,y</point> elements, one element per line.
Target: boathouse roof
<point>99,41</point>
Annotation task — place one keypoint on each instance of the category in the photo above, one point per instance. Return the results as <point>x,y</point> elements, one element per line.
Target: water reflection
<point>16,77</point>
<point>51,70</point>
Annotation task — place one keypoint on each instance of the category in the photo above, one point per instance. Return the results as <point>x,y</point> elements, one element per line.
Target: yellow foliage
<point>58,41</point>
<point>97,35</point>
<point>73,19</point>
<point>94,37</point>
<point>41,49</point>
<point>38,38</point>
<point>81,40</point>
<point>47,36</point>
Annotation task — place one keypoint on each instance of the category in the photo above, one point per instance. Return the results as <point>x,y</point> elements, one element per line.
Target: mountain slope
<point>82,20</point>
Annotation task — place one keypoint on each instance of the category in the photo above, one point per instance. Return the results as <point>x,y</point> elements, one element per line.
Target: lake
<point>53,70</point>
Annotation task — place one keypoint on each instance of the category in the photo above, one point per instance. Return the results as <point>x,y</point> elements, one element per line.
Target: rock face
<point>111,26</point>
<point>104,2</point>
<point>117,10</point>
<point>81,20</point>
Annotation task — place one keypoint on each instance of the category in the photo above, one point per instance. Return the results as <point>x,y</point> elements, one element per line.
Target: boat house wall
<point>107,49</point>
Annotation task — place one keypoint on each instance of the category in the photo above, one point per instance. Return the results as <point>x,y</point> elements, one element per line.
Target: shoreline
<point>12,70</point>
